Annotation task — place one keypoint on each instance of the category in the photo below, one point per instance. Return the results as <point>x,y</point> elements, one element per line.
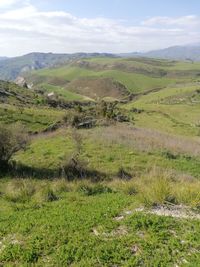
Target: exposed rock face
<point>21,82</point>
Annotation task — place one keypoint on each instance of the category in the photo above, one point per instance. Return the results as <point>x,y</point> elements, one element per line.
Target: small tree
<point>12,139</point>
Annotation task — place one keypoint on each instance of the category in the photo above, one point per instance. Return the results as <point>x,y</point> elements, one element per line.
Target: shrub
<point>12,139</point>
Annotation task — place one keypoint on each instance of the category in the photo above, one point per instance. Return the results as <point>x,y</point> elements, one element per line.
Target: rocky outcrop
<point>20,81</point>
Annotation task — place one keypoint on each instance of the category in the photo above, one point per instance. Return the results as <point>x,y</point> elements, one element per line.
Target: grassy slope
<point>177,118</point>
<point>18,95</point>
<point>34,118</point>
<point>133,82</point>
<point>25,106</point>
<point>49,152</point>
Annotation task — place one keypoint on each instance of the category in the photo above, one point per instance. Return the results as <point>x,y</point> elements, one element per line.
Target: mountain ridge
<point>186,52</point>
<point>11,68</point>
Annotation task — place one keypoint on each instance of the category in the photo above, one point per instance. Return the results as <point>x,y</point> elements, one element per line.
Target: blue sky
<point>123,9</point>
<point>68,26</point>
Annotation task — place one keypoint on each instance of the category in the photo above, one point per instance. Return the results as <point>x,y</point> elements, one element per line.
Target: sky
<point>113,26</point>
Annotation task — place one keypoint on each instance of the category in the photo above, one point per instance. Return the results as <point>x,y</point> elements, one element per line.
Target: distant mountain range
<point>3,58</point>
<point>11,68</point>
<point>191,53</point>
<point>188,52</point>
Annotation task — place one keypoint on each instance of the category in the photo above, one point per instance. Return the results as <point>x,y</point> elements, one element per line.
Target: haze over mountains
<point>11,68</point>
<point>190,52</point>
<point>187,52</point>
<point>3,58</point>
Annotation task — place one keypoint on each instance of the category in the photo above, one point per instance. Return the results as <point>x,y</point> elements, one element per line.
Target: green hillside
<point>175,110</point>
<point>136,75</point>
<point>89,182</point>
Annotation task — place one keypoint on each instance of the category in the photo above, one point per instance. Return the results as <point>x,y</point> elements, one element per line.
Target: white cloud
<point>26,29</point>
<point>8,3</point>
<point>185,21</point>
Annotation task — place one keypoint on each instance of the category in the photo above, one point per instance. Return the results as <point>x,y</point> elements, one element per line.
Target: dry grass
<point>155,187</point>
<point>98,88</point>
<point>19,190</point>
<point>147,139</point>
<point>158,187</point>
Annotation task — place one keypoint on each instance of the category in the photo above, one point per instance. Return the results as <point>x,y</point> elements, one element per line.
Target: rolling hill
<point>11,68</point>
<point>101,77</point>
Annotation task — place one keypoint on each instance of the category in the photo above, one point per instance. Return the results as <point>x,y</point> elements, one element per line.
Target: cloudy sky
<point>66,26</point>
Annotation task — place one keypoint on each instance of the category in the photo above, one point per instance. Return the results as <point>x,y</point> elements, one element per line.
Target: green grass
<point>48,152</point>
<point>177,118</point>
<point>60,223</point>
<point>182,66</point>
<point>65,73</point>
<point>80,230</point>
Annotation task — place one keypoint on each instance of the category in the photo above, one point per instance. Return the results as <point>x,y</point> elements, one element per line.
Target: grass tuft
<point>19,190</point>
<point>45,194</point>
<point>93,189</point>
